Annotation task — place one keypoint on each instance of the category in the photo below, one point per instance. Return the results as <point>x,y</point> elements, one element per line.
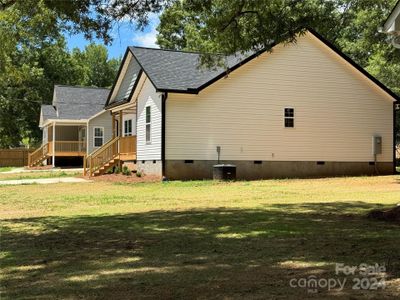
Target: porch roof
<point>74,103</point>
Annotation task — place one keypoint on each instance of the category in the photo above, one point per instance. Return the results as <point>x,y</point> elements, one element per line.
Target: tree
<point>94,18</point>
<point>33,58</point>
<point>30,26</point>
<point>97,69</point>
<point>241,25</point>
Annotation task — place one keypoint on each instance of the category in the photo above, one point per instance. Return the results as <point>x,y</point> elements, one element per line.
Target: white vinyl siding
<point>103,120</point>
<point>45,133</point>
<point>148,97</point>
<point>128,81</point>
<point>337,111</point>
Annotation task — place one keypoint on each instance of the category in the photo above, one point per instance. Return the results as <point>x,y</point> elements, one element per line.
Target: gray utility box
<point>376,145</point>
<point>224,172</point>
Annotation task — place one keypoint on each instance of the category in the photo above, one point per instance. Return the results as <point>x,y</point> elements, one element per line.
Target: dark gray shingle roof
<point>75,103</point>
<point>49,112</point>
<point>177,70</point>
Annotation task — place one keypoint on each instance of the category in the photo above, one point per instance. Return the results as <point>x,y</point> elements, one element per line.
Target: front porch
<point>60,140</point>
<point>121,148</point>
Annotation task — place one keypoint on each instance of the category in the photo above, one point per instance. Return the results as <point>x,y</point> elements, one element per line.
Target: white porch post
<point>53,160</point>
<point>87,137</point>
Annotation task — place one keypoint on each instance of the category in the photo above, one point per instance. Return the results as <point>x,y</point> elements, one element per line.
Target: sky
<point>124,35</point>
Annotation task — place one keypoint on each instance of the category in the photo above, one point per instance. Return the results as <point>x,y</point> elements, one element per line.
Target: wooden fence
<point>14,157</point>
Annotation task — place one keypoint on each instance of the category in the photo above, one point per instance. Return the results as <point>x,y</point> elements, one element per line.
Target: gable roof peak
<point>181,71</point>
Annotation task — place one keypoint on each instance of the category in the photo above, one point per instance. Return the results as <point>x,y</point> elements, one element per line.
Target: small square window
<point>289,112</point>
<point>289,123</point>
<point>289,117</point>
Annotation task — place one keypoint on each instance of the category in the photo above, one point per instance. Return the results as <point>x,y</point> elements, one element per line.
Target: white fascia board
<point>390,24</point>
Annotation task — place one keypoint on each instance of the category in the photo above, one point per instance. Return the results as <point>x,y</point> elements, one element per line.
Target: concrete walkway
<point>43,181</point>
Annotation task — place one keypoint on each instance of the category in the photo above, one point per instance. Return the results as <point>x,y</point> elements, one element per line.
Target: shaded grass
<point>193,239</point>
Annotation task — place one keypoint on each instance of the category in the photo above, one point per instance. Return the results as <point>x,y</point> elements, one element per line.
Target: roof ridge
<point>81,87</point>
<point>176,51</point>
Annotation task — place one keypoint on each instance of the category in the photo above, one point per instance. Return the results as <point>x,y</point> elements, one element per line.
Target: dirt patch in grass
<point>39,168</point>
<point>120,178</point>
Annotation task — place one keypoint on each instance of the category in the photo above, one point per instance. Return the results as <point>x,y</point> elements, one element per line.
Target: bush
<point>117,170</point>
<point>139,174</point>
<point>126,171</point>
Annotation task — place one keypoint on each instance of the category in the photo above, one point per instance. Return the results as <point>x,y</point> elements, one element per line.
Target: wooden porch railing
<point>67,147</point>
<point>36,156</point>
<point>101,156</point>
<point>122,148</point>
<point>127,147</point>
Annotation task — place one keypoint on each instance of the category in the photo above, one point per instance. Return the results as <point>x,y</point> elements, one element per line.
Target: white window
<point>98,136</point>
<point>289,117</point>
<point>148,124</point>
<point>128,127</point>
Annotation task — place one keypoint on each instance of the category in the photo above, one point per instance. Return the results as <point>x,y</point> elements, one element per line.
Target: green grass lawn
<point>200,239</point>
<point>36,175</point>
<point>5,169</point>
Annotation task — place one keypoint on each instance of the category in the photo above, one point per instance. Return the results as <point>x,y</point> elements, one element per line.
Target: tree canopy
<point>230,26</point>
<point>33,58</point>
<point>33,54</point>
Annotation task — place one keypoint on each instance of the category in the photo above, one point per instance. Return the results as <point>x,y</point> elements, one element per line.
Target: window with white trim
<point>289,117</point>
<point>148,124</point>
<point>128,127</point>
<point>98,136</point>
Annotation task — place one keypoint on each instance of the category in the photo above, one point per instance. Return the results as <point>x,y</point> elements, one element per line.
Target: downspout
<point>163,104</point>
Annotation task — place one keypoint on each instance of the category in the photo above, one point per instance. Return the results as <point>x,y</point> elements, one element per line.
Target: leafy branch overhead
<point>34,57</point>
<point>93,18</point>
<point>33,54</point>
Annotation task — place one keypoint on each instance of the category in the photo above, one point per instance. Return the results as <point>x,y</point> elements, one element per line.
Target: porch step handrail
<point>38,155</point>
<point>100,157</point>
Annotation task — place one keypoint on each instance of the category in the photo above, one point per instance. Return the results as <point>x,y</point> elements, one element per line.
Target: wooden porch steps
<point>37,157</point>
<point>112,153</point>
<point>105,167</point>
<point>38,161</point>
